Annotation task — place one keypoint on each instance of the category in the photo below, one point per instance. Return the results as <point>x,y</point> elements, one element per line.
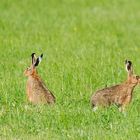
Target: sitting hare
<point>37,92</point>
<point>120,95</point>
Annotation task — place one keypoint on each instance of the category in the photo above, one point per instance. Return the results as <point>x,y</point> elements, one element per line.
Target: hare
<point>36,90</point>
<point>120,95</point>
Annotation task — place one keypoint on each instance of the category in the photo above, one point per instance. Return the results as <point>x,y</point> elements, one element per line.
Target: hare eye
<point>137,77</point>
<point>28,68</point>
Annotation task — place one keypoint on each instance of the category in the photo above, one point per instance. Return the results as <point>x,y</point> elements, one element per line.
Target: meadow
<point>85,44</point>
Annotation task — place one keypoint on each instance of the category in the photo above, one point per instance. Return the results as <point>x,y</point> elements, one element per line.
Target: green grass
<point>85,43</point>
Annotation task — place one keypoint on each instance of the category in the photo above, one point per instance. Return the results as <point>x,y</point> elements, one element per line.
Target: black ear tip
<point>129,62</point>
<point>126,61</point>
<point>41,55</point>
<point>32,54</point>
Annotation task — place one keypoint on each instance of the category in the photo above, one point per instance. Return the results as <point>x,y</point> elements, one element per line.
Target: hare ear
<point>129,68</point>
<point>33,58</point>
<point>38,60</point>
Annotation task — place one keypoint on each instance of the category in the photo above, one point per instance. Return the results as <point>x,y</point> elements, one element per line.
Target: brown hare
<point>120,95</point>
<point>36,90</point>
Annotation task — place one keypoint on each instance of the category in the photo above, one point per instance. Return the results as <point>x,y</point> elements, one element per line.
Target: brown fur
<point>121,94</point>
<point>36,89</point>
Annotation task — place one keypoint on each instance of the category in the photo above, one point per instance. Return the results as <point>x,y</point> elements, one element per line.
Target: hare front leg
<point>125,103</point>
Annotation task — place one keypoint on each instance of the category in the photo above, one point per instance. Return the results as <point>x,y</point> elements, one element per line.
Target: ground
<point>85,44</point>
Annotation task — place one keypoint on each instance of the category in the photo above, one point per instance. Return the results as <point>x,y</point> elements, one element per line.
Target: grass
<point>85,44</point>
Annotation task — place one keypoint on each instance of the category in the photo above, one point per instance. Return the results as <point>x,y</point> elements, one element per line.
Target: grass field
<point>85,43</point>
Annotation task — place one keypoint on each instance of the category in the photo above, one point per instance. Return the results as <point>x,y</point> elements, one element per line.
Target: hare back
<point>38,93</point>
<point>111,95</point>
